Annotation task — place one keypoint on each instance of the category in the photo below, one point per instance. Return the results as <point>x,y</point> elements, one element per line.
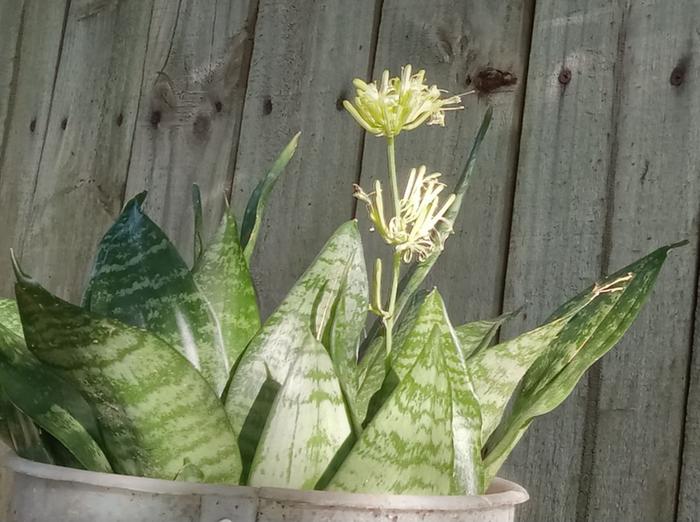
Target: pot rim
<point>502,493</point>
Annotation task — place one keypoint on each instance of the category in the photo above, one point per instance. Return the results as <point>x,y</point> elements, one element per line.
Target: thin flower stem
<point>389,318</point>
<point>391,157</point>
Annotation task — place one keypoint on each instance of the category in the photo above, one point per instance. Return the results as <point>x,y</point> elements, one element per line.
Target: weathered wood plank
<point>654,199</point>
<point>27,73</point>
<point>189,113</point>
<point>305,56</point>
<point>606,146</point>
<point>559,218</point>
<point>462,46</point>
<point>689,492</point>
<point>83,160</point>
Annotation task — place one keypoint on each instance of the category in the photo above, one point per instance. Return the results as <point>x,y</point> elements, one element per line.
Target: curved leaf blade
<point>478,335</point>
<point>585,339</point>
<point>223,278</point>
<point>254,210</point>
<point>307,425</point>
<point>270,353</point>
<point>51,402</point>
<point>407,448</point>
<point>140,279</point>
<point>136,382</point>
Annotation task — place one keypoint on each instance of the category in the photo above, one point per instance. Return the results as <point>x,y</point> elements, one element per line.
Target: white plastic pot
<point>35,492</point>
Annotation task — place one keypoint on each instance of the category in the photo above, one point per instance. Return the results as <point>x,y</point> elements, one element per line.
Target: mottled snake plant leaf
<point>584,340</point>
<point>307,425</point>
<point>496,372</point>
<point>140,279</point>
<point>51,402</point>
<point>429,328</point>
<point>346,321</point>
<point>478,335</point>
<point>154,408</point>
<point>407,448</point>
<point>371,369</point>
<point>272,351</point>
<point>223,278</point>
<point>254,210</point>
<point>9,317</point>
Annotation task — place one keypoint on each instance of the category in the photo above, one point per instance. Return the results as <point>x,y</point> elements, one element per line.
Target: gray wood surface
<point>689,492</point>
<point>78,185</point>
<point>31,41</point>
<point>559,219</point>
<point>190,110</point>
<point>591,162</point>
<point>305,55</point>
<point>603,156</point>
<point>458,43</point>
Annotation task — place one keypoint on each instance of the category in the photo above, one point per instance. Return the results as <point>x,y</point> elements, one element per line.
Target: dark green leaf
<point>154,409</point>
<point>141,280</point>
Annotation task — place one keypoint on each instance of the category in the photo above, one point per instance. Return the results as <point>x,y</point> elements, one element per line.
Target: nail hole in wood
<point>32,125</point>
<point>218,106</point>
<point>677,75</point>
<point>64,123</point>
<point>267,105</point>
<point>120,119</point>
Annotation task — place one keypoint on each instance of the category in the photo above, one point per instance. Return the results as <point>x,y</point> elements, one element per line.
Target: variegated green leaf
<point>141,280</point>
<point>254,210</point>
<point>306,426</point>
<point>24,435</point>
<point>407,448</point>
<point>155,410</point>
<point>371,370</point>
<point>279,341</point>
<point>427,325</point>
<point>346,322</point>
<point>224,280</point>
<point>198,240</point>
<point>51,402</point>
<point>478,335</point>
<point>585,339</point>
<point>9,317</point>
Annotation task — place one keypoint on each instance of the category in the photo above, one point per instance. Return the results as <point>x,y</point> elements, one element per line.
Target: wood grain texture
<point>82,162</point>
<point>305,56</point>
<point>190,110</point>
<point>31,35</point>
<point>461,45</point>
<point>605,149</point>
<point>688,508</point>
<point>559,218</point>
<point>654,198</point>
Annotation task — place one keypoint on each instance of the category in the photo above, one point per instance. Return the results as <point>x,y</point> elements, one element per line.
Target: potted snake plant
<point>165,395</point>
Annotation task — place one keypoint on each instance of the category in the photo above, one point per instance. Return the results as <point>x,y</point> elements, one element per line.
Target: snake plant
<point>167,370</point>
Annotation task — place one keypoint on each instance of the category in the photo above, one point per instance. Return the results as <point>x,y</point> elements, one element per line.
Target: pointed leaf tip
<point>21,276</point>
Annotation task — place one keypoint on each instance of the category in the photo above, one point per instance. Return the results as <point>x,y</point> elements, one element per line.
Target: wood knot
<point>564,76</point>
<point>489,79</point>
<point>218,106</point>
<point>201,126</point>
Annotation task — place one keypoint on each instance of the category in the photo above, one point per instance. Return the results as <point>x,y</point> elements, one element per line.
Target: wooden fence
<point>592,161</point>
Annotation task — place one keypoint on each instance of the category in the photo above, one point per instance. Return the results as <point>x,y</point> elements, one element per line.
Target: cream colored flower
<point>414,232</point>
<point>399,103</point>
